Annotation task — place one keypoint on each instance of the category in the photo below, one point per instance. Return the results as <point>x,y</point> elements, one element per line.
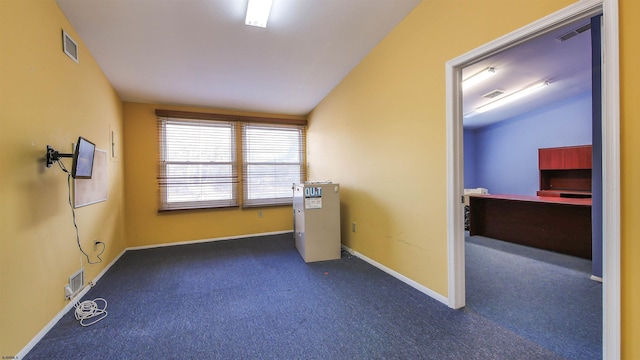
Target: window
<point>203,156</point>
<point>273,160</point>
<point>197,164</point>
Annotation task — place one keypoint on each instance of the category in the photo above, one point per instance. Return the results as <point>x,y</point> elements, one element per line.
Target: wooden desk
<point>551,223</point>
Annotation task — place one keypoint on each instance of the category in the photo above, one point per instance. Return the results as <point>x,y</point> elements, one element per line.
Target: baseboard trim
<point>23,353</point>
<point>423,289</point>
<point>190,242</point>
<point>36,339</point>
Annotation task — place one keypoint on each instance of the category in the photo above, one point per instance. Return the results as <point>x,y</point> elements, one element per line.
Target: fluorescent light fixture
<point>478,77</point>
<point>511,97</point>
<point>258,12</point>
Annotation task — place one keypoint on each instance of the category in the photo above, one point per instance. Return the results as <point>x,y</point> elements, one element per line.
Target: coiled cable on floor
<point>89,309</point>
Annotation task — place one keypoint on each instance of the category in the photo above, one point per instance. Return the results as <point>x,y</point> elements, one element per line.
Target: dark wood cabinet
<point>577,157</point>
<point>565,171</point>
<point>558,219</point>
<point>550,223</point>
<point>565,158</point>
<point>549,159</point>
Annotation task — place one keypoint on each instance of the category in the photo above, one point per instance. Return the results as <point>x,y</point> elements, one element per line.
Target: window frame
<point>239,122</point>
<point>163,179</point>
<point>246,175</point>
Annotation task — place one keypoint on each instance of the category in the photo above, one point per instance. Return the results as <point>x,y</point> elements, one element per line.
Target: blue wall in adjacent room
<point>469,159</point>
<point>503,157</point>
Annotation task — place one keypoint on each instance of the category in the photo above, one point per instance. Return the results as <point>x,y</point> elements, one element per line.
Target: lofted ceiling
<point>200,53</point>
<point>566,65</point>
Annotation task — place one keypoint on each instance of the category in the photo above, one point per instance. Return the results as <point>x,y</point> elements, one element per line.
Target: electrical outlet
<point>67,292</point>
<point>353,227</point>
<point>259,213</point>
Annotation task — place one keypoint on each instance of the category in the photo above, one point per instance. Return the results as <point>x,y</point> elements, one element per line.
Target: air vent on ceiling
<point>493,94</point>
<point>574,32</point>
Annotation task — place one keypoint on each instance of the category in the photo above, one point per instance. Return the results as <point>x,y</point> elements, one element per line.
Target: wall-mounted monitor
<point>83,155</point>
<point>83,159</point>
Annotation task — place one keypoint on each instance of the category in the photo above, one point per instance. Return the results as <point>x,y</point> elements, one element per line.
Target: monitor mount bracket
<point>54,155</point>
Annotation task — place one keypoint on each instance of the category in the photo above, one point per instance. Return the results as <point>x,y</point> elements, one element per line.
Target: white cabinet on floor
<point>316,220</point>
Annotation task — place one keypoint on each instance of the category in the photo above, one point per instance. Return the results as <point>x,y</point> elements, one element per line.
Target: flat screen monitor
<point>82,167</point>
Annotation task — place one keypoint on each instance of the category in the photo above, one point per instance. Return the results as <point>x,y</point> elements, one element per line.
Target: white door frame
<point>610,156</point>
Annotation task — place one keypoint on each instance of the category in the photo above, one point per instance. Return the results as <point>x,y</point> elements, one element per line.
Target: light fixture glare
<point>258,12</point>
<point>512,97</point>
<point>478,78</point>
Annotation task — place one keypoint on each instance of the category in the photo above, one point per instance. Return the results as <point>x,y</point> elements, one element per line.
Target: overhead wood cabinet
<point>565,171</point>
<point>565,158</point>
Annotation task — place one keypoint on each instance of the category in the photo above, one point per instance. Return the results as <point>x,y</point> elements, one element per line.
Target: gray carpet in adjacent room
<point>544,296</point>
<point>256,299</point>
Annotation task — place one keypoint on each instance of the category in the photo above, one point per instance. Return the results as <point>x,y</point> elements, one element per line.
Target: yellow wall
<point>391,105</point>
<point>630,174</point>
<point>47,99</point>
<point>145,226</point>
<point>385,129</point>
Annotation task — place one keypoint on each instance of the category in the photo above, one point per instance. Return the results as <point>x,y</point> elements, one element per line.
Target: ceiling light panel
<point>258,13</point>
<point>478,78</point>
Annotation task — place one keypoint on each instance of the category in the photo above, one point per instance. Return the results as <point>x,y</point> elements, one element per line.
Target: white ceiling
<point>200,53</point>
<point>566,65</point>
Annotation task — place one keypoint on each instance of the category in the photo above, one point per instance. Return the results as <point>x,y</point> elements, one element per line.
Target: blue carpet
<point>544,296</point>
<point>256,299</point>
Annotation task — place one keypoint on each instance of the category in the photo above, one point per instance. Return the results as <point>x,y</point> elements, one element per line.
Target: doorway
<point>611,158</point>
<point>544,296</point>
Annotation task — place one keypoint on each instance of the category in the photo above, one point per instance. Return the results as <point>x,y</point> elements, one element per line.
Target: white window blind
<point>198,167</point>
<point>273,160</point>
